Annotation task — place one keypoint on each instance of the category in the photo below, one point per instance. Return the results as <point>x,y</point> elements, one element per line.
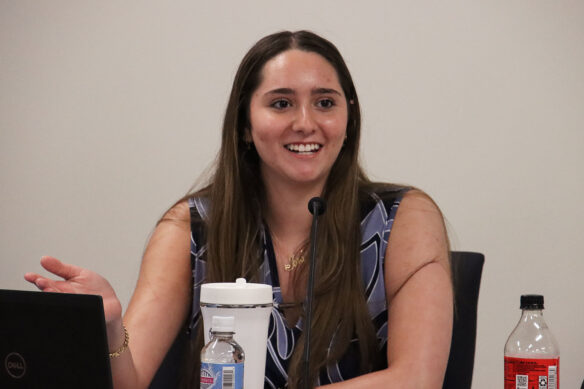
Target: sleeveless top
<point>377,215</point>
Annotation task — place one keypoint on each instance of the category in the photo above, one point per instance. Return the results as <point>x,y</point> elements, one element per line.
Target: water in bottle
<point>222,359</point>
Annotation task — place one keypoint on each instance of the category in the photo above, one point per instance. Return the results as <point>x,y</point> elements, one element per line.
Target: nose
<point>304,120</point>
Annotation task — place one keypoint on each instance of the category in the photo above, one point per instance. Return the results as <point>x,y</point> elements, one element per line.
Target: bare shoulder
<point>418,201</point>
<point>418,238</point>
<point>170,239</point>
<point>178,213</point>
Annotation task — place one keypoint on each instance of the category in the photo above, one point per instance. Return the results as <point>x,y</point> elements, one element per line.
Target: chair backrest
<point>467,269</point>
<point>169,372</point>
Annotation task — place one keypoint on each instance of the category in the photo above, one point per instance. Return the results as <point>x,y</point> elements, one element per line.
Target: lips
<point>303,148</point>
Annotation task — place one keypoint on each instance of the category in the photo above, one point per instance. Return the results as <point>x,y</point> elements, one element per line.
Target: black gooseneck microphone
<point>316,206</point>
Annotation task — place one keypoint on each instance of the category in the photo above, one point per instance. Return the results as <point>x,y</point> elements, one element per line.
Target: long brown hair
<point>237,193</point>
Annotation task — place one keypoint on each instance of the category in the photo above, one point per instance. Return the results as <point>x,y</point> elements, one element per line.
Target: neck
<point>287,212</point>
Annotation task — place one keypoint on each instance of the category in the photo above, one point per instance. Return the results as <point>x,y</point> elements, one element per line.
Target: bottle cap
<point>236,293</point>
<point>531,301</point>
<point>222,323</point>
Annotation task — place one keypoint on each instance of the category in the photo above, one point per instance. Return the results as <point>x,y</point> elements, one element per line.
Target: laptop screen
<point>52,340</point>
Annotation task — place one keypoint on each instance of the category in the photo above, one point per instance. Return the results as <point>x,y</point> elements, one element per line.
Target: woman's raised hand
<point>77,280</point>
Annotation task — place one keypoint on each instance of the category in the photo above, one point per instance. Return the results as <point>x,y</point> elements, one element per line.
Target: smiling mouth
<point>303,148</point>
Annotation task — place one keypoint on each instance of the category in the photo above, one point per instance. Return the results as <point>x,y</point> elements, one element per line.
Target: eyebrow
<point>316,91</point>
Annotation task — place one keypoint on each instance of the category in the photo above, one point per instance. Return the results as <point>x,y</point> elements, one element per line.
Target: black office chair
<point>467,269</point>
<point>169,372</point>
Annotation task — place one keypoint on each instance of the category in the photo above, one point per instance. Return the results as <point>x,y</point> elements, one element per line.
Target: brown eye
<point>280,104</point>
<point>326,103</point>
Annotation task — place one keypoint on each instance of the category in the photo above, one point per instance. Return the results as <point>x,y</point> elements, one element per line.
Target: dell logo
<point>15,365</point>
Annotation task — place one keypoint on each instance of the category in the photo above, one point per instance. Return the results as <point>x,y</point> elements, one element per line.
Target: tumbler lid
<point>236,293</point>
<point>531,301</point>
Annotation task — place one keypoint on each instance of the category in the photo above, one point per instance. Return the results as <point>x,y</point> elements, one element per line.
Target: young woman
<point>383,298</point>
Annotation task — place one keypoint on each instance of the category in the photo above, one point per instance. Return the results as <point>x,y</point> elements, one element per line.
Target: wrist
<point>116,335</point>
<point>117,352</point>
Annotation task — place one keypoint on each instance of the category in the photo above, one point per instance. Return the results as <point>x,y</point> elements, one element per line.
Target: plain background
<point>109,111</point>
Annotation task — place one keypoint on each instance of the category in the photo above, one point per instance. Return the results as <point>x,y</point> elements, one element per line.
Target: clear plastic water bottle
<point>222,359</point>
<point>532,356</point>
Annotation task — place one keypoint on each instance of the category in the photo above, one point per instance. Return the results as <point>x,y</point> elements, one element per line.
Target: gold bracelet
<point>124,346</point>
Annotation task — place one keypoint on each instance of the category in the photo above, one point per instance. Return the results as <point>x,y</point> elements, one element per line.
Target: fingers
<point>59,268</point>
<point>40,282</point>
<point>47,285</point>
<point>32,278</point>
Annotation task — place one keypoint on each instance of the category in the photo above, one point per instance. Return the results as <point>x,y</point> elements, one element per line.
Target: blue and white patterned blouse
<point>377,219</point>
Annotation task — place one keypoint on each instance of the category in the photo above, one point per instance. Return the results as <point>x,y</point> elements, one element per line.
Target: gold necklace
<point>295,260</point>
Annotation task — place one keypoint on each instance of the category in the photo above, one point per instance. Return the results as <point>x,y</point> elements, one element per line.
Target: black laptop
<point>53,340</point>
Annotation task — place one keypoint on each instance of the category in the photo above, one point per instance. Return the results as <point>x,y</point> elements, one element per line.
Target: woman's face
<point>298,117</point>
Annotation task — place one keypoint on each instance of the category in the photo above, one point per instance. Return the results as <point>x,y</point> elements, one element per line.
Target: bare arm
<point>419,295</point>
<point>160,303</point>
<point>158,307</point>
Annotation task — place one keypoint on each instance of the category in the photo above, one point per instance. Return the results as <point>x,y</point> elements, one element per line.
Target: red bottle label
<point>528,373</point>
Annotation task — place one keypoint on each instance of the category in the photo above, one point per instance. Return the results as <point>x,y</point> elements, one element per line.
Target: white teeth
<point>303,148</point>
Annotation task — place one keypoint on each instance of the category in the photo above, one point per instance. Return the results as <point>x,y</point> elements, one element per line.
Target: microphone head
<point>316,206</point>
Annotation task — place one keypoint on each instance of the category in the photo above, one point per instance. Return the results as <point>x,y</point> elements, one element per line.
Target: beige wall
<point>110,110</point>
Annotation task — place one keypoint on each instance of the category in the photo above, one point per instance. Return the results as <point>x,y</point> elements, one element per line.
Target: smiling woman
<point>291,132</point>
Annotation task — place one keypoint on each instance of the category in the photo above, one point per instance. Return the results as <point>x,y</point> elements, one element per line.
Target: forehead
<point>297,68</point>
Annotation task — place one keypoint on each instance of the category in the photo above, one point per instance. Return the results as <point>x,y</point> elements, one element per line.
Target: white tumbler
<point>251,306</point>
